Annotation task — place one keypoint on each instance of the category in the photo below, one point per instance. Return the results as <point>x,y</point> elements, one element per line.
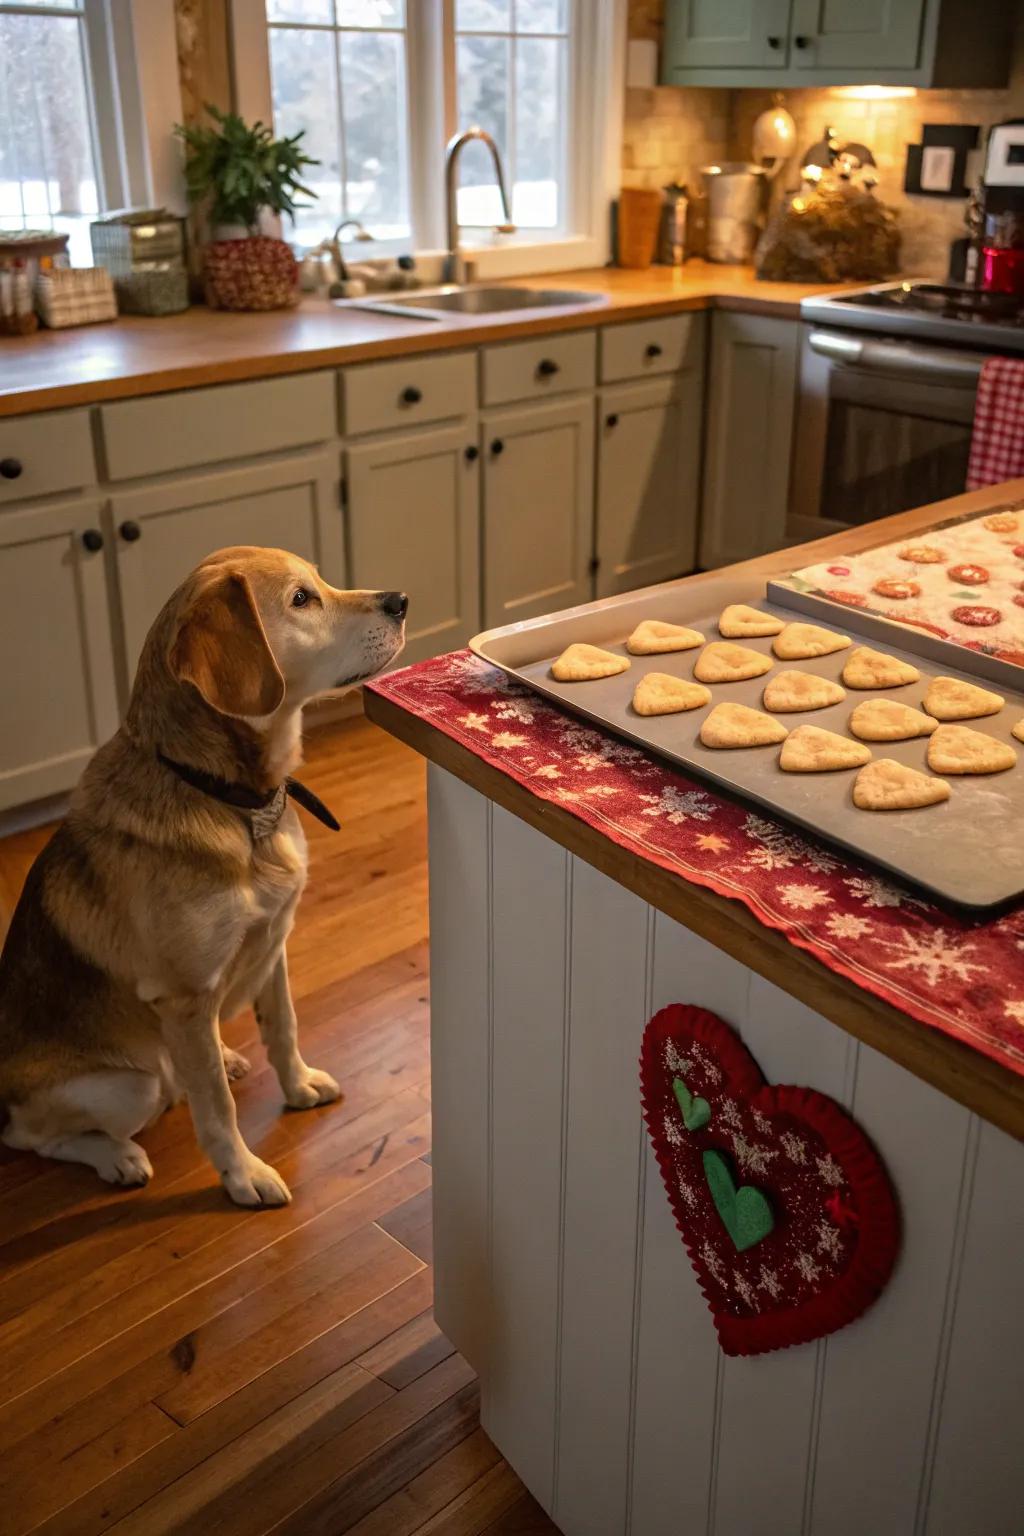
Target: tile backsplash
<point>670,132</point>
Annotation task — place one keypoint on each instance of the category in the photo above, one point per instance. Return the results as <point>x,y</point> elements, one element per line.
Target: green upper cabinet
<point>945,43</point>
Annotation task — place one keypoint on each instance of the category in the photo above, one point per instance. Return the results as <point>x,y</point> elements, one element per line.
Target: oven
<point>884,424</point>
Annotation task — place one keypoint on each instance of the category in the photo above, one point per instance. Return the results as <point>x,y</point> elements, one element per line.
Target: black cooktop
<point>940,311</point>
<point>949,300</point>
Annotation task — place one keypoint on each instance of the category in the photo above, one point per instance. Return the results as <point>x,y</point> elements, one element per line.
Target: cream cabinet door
<point>413,522</point>
<point>58,701</point>
<point>648,479</point>
<point>162,531</point>
<point>538,509</point>
<point>749,437</point>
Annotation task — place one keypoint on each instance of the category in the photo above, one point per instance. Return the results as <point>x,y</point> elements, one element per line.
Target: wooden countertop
<point>144,356</point>
<point>966,1076</point>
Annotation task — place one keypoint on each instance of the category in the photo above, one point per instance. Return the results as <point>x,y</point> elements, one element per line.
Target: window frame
<point>593,135</point>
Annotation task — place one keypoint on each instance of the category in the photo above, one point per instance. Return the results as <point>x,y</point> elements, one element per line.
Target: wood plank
<point>474,1510</point>
<point>404,1513</point>
<point>408,1352</point>
<point>525,1518</point>
<point>412,1225</point>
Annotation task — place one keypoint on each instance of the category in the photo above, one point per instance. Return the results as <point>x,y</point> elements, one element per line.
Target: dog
<point>163,902</point>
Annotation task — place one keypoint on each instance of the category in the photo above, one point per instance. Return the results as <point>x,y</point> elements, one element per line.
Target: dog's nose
<point>394,604</point>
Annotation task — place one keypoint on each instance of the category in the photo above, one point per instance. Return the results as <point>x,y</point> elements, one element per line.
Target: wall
<point>670,132</point>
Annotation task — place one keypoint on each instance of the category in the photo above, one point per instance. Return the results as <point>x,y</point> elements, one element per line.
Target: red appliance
<point>1002,253</point>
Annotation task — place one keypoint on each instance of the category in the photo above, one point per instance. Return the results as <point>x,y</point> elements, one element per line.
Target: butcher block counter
<point>141,356</point>
<point>560,1271</point>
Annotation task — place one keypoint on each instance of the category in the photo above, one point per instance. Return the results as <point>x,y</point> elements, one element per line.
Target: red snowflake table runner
<point>965,979</point>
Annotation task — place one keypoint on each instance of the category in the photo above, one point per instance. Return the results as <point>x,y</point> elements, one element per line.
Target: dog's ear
<point>222,648</point>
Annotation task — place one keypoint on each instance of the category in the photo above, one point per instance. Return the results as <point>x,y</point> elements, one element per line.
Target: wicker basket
<point>639,219</point>
<point>258,273</point>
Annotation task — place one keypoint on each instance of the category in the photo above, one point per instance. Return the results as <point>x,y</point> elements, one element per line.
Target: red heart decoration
<point>836,1226</point>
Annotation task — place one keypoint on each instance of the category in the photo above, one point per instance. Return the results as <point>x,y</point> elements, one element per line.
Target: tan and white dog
<point>163,902</point>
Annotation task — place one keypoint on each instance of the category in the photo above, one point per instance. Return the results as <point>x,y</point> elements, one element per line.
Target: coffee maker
<point>1002,240</point>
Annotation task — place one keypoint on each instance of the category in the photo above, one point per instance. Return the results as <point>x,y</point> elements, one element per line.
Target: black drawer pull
<point>92,539</point>
<point>652,350</point>
<point>775,42</point>
<point>411,395</point>
<point>497,446</point>
<point>802,42</point>
<point>472,454</point>
<point>130,531</point>
<point>612,420</point>
<point>10,468</point>
<point>546,368</point>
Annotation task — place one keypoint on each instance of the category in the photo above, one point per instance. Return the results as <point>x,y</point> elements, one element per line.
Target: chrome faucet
<point>454,269</point>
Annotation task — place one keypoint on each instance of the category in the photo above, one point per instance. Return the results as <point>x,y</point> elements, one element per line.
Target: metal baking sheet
<point>967,852</point>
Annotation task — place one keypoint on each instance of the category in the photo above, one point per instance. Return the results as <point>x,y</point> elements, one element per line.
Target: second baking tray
<point>968,852</point>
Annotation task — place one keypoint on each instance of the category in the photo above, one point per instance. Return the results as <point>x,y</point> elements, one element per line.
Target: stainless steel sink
<point>434,304</point>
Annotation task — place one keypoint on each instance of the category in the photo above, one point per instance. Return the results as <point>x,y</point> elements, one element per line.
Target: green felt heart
<point>696,1113</point>
<point>745,1212</point>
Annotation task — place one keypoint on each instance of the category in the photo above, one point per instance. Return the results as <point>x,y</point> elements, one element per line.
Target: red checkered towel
<point>997,441</point>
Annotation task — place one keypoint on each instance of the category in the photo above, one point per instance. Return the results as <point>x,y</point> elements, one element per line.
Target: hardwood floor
<point>172,1364</point>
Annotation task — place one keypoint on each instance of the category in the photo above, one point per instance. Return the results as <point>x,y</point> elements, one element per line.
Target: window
<point>379,85</point>
<point>48,159</point>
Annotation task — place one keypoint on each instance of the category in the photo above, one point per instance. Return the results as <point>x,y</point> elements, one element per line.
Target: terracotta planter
<point>254,273</point>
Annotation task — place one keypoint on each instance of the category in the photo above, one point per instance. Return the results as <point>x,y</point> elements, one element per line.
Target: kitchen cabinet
<point>648,482</point>
<point>413,521</point>
<point>538,509</point>
<point>749,436</point>
<point>160,532</point>
<point>937,43</point>
<point>58,701</point>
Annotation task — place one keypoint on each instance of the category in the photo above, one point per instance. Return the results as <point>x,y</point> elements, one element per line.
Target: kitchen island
<point>560,1273</point>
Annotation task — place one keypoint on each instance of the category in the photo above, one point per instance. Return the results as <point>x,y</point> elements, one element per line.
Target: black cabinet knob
<point>775,42</point>
<point>472,454</point>
<point>497,446</point>
<point>652,350</point>
<point>10,468</point>
<point>130,531</point>
<point>412,395</point>
<point>546,368</point>
<point>801,42</point>
<point>92,539</point>
<point>612,420</point>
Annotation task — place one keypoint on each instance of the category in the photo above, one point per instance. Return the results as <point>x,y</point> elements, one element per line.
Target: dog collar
<point>264,810</point>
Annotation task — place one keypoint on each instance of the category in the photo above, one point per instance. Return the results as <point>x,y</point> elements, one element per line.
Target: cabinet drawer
<point>532,370</point>
<point>645,347</point>
<point>209,426</point>
<point>41,454</point>
<point>380,396</point>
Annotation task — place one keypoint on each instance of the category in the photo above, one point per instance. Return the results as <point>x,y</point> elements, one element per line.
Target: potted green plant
<point>237,174</point>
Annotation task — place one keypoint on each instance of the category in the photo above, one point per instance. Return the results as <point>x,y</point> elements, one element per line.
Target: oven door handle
<point>934,365</point>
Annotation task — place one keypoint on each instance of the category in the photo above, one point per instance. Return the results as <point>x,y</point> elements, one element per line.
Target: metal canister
<point>672,233</point>
<point>735,203</point>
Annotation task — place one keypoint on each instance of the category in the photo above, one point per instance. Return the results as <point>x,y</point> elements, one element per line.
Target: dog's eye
<point>300,597</point>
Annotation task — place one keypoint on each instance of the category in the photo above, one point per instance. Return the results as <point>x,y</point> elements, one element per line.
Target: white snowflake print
<point>729,1111</point>
<point>515,709</point>
<point>688,1195</point>
<point>762,1122</point>
<point>475,722</point>
<point>770,1283</point>
<point>712,1262</point>
<point>807,1267</point>
<point>830,1170</point>
<point>873,891</point>
<point>547,771</point>
<point>508,739</point>
<point>829,1240</point>
<point>475,676</point>
<point>781,849</point>
<point>676,1063</point>
<point>678,805</point>
<point>706,1065</point>
<point>847,925</point>
<point>743,1288</point>
<point>601,791</point>
<point>1014,1011</point>
<point>673,1135</point>
<point>939,955</point>
<point>794,1147</point>
<point>590,762</point>
<point>751,1158</point>
<point>804,898</point>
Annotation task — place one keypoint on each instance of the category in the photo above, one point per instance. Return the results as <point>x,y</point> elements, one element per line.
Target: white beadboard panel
<point>460,821</point>
<point>766,1422</point>
<point>880,1372</point>
<point>678,1359</point>
<point>531,896</point>
<point>978,1479</point>
<point>604,1145</point>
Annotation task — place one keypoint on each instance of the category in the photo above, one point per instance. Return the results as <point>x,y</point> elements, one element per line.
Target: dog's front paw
<point>235,1064</point>
<point>313,1088</point>
<point>256,1183</point>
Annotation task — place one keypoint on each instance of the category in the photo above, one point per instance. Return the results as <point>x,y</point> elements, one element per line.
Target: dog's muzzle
<point>394,604</point>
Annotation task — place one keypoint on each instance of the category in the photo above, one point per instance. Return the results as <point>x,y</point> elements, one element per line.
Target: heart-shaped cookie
<point>784,1206</point>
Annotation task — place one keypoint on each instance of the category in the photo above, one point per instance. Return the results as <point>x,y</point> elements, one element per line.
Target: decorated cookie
<point>968,575</point>
<point>977,616</point>
<point>1002,522</point>
<point>899,591</point>
<point>922,554</point>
